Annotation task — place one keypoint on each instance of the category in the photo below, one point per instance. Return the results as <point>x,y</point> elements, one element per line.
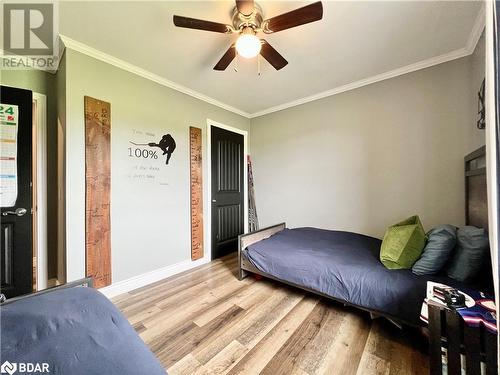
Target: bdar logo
<point>8,368</point>
<point>24,368</point>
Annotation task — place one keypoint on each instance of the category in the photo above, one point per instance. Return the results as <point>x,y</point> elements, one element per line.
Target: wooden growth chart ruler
<point>195,165</point>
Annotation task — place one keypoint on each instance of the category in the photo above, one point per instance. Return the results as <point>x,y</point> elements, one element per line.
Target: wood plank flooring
<point>205,321</point>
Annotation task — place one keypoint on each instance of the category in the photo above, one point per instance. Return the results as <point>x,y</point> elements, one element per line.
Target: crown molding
<point>467,50</point>
<point>477,30</point>
<point>99,55</point>
<point>475,35</point>
<point>462,52</point>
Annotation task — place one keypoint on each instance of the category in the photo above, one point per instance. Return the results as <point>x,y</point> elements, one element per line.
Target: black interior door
<point>16,257</point>
<point>227,191</point>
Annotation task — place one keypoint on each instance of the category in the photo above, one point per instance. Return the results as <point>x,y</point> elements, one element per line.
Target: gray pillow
<point>437,251</point>
<point>469,255</point>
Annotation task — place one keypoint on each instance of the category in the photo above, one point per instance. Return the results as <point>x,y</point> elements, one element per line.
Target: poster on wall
<point>9,117</point>
<point>156,166</point>
<point>151,154</point>
<point>166,144</point>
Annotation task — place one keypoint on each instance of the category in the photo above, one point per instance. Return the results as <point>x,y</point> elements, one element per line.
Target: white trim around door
<point>41,191</point>
<point>207,209</point>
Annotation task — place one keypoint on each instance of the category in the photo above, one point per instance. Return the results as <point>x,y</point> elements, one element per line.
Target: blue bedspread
<point>75,331</point>
<point>345,266</point>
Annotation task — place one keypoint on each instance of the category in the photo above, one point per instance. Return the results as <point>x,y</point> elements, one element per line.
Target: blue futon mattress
<point>76,331</point>
<point>344,266</point>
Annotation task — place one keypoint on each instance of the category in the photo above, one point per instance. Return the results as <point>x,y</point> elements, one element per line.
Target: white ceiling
<point>354,41</point>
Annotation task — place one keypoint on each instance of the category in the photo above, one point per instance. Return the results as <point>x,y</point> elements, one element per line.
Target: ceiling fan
<point>248,22</point>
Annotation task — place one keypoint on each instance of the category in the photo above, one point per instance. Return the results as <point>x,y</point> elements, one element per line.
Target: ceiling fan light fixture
<point>248,45</point>
<point>247,21</point>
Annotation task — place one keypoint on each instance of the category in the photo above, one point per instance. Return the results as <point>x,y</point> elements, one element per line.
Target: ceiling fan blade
<point>297,17</point>
<point>193,23</point>
<point>226,59</point>
<point>245,7</point>
<point>272,56</point>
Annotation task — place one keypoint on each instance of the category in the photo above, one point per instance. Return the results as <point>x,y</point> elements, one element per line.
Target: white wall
<point>150,220</point>
<point>364,159</point>
<point>492,149</point>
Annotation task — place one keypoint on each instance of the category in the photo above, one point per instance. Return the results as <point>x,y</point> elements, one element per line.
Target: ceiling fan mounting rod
<point>253,20</point>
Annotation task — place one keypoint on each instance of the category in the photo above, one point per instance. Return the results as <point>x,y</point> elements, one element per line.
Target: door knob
<point>18,212</point>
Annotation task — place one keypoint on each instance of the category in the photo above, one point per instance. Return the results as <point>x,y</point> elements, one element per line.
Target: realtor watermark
<point>29,36</point>
<point>24,368</point>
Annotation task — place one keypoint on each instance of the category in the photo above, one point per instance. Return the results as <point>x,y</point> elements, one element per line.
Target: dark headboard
<point>476,194</point>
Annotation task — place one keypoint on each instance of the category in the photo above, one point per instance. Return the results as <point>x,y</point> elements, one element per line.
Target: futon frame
<point>246,267</point>
<point>86,282</point>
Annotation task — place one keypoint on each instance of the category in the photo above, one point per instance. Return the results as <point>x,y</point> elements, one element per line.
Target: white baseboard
<point>139,281</point>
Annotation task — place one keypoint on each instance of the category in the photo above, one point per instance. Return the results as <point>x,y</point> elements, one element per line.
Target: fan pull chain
<point>258,65</point>
<point>237,59</point>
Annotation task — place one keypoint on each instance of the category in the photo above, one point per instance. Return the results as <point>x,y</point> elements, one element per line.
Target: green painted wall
<point>150,217</point>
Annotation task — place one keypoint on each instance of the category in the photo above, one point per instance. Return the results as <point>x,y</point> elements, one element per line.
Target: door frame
<point>40,210</point>
<point>207,209</point>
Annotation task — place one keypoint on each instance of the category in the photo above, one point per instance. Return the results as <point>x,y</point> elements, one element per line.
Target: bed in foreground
<point>72,330</point>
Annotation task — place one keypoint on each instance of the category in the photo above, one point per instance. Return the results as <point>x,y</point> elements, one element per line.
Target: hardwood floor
<point>205,321</point>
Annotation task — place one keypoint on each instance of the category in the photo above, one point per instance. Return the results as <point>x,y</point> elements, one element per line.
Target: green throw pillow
<point>403,243</point>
